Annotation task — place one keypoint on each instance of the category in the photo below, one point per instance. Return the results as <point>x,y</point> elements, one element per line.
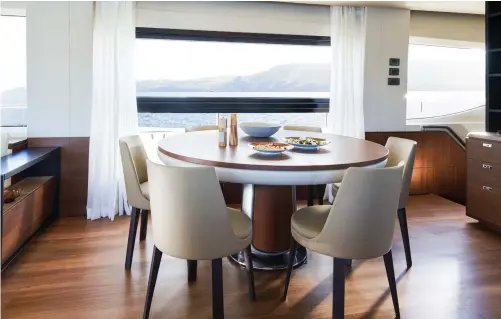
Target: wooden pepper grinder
<point>223,135</point>
<point>233,130</point>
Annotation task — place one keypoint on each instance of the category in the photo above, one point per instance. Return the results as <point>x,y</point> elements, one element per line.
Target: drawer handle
<point>487,188</point>
<point>486,166</point>
<point>486,144</point>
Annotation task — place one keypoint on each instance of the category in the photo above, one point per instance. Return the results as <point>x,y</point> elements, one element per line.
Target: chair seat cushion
<point>308,222</point>
<point>145,189</point>
<point>240,223</point>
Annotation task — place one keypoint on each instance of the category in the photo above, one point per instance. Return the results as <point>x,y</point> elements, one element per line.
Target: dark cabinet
<point>483,192</point>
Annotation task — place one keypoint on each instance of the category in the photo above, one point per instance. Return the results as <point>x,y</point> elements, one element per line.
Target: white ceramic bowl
<point>256,129</point>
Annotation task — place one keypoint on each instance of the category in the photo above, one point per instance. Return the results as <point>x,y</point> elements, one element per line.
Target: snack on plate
<point>270,146</point>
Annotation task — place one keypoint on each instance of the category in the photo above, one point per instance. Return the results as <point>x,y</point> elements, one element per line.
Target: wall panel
<point>74,172</point>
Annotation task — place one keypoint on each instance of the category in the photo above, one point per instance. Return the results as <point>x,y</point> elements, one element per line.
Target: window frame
<point>231,104</point>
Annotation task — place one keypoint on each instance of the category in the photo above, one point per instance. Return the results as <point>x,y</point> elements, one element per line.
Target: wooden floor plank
<point>75,270</point>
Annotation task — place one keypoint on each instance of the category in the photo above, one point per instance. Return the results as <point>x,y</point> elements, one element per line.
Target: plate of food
<point>306,143</point>
<point>271,148</point>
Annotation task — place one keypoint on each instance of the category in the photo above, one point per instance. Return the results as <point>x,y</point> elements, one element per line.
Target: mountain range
<point>426,76</point>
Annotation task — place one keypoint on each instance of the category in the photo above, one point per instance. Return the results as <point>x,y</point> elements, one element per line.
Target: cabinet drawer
<point>484,202</point>
<point>484,173</point>
<point>484,150</point>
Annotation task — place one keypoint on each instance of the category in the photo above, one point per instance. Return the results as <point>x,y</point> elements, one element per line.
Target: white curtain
<point>346,110</point>
<point>114,109</point>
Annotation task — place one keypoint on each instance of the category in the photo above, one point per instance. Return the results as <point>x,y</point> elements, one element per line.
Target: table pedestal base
<point>273,261</point>
<point>270,208</point>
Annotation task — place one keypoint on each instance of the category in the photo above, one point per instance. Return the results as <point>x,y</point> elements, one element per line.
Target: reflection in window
<point>444,80</point>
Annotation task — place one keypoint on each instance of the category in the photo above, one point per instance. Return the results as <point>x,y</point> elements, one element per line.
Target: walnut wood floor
<point>76,270</point>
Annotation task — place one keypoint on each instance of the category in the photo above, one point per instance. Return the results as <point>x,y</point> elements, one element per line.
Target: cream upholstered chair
<point>319,189</point>
<point>134,158</point>
<point>202,128</point>
<point>191,221</point>
<point>359,225</point>
<point>315,129</point>
<point>400,149</point>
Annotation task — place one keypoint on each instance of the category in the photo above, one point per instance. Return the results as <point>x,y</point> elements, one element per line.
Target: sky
<point>182,60</point>
<point>12,52</point>
<point>437,53</point>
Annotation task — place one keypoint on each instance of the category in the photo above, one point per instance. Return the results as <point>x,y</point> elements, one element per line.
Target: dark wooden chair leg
<point>338,289</point>
<point>155,265</point>
<point>320,194</point>
<point>250,272</point>
<point>134,221</point>
<point>292,257</point>
<point>217,289</point>
<point>311,195</point>
<point>144,224</point>
<point>390,273</point>
<point>192,270</point>
<point>402,218</point>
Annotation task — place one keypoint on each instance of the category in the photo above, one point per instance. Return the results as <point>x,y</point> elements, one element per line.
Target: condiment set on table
<point>265,130</point>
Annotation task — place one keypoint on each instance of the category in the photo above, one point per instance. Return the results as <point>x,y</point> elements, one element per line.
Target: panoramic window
<point>13,70</point>
<point>444,80</point>
<point>190,81</point>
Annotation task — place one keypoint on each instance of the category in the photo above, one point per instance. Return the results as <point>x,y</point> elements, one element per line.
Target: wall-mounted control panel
<point>394,71</point>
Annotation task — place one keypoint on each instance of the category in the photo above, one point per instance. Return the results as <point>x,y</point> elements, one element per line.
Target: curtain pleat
<point>346,109</point>
<point>114,108</point>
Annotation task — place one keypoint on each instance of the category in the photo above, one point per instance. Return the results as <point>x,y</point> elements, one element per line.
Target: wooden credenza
<point>39,172</point>
<point>483,187</point>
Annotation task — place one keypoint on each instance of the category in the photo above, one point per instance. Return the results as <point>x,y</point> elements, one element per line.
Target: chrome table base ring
<point>272,261</point>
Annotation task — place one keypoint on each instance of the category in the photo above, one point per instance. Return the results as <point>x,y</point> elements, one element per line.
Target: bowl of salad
<point>306,143</point>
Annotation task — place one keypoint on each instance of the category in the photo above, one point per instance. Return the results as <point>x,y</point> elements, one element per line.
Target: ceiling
<point>471,7</point>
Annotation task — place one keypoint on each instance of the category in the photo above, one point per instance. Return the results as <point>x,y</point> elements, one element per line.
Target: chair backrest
<point>362,218</point>
<point>202,128</point>
<point>134,157</point>
<point>315,129</point>
<point>189,214</point>
<point>402,150</point>
<point>156,136</point>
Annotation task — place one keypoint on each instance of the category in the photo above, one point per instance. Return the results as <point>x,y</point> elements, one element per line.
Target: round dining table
<point>269,181</point>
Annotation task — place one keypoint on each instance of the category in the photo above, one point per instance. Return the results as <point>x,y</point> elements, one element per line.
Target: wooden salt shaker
<point>233,130</point>
<point>223,134</point>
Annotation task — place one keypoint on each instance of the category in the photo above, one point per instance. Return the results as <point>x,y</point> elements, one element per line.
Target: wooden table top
<point>202,148</point>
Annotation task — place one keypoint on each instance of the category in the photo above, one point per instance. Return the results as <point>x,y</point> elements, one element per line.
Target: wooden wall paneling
<point>74,172</point>
<point>74,177</point>
<point>440,164</point>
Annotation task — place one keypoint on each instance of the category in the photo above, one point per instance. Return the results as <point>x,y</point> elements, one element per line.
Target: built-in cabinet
<point>483,192</point>
<point>35,172</point>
